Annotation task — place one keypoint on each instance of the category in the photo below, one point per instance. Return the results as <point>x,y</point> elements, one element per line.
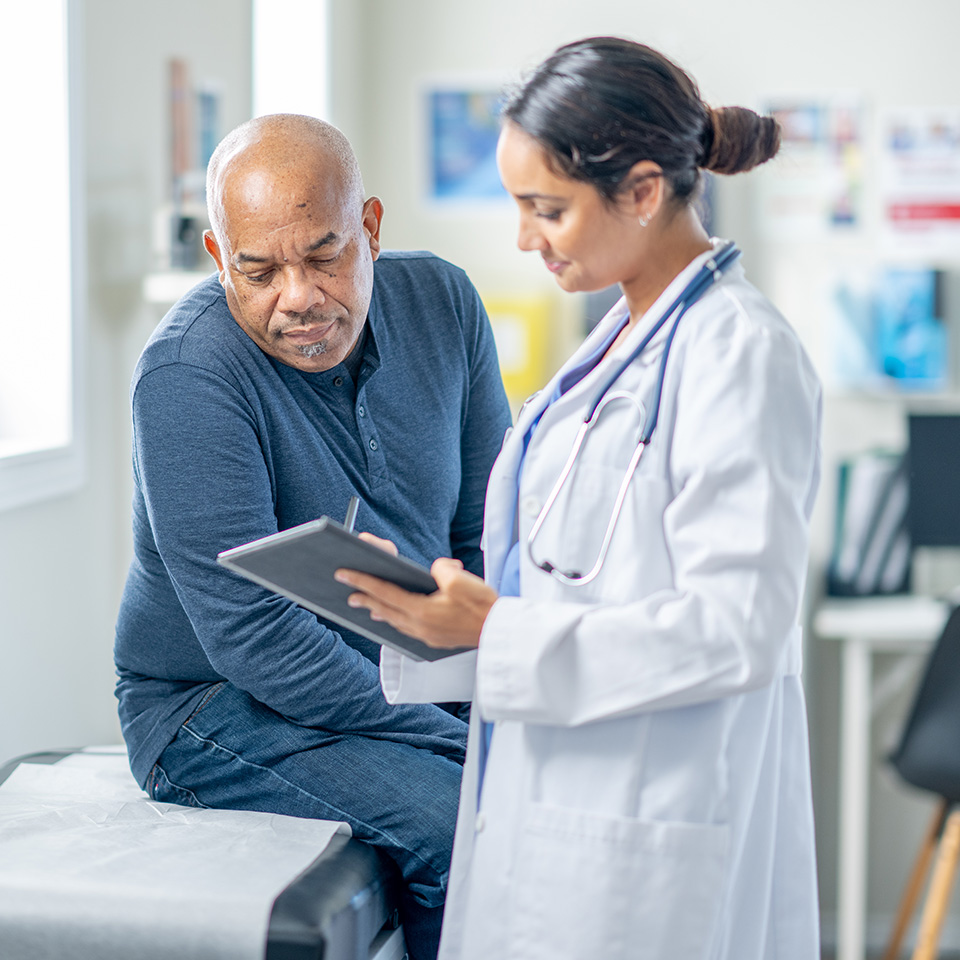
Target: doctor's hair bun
<point>599,106</point>
<point>737,139</point>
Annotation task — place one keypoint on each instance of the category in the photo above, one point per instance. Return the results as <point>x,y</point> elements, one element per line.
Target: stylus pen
<point>351,517</point>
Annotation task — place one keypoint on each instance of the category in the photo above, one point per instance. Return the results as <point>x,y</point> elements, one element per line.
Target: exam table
<point>342,906</point>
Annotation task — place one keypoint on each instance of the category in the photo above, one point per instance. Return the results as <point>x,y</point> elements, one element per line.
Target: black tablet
<point>299,563</point>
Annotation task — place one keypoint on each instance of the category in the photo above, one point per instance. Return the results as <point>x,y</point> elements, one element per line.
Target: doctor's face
<point>586,242</point>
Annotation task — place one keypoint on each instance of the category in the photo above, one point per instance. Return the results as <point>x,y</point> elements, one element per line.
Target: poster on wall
<point>919,180</point>
<point>887,330</point>
<point>815,184</point>
<point>463,127</point>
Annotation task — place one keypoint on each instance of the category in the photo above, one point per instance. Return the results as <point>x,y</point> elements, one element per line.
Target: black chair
<point>928,757</point>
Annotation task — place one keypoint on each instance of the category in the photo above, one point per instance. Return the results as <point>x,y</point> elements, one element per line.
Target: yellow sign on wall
<point>521,327</point>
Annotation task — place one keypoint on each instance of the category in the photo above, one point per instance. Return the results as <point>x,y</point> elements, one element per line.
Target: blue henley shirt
<point>230,445</point>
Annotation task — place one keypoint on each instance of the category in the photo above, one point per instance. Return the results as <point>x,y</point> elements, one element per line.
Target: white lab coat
<point>647,792</point>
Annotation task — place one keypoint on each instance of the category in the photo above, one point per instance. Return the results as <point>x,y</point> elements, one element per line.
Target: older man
<point>313,368</point>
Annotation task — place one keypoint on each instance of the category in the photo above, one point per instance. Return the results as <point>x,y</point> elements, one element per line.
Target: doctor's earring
<point>643,221</point>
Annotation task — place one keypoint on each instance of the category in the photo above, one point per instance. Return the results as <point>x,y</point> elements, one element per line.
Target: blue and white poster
<point>464,127</point>
<point>888,332</point>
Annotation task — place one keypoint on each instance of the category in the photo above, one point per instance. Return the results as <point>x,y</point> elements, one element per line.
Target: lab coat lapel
<point>501,501</point>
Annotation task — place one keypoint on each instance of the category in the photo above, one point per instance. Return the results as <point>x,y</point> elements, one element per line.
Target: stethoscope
<point>709,273</point>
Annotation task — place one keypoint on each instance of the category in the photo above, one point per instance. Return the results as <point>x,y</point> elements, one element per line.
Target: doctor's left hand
<point>452,616</point>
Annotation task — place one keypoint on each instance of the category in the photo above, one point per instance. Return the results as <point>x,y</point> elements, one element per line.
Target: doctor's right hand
<point>451,617</point>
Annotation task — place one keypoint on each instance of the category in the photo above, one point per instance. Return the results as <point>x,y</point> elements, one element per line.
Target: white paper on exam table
<point>88,860</point>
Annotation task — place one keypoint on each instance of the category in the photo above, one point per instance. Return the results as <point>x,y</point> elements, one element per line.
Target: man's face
<point>297,263</point>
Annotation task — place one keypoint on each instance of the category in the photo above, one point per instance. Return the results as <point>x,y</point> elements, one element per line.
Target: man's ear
<point>372,216</point>
<point>213,248</point>
<point>646,189</point>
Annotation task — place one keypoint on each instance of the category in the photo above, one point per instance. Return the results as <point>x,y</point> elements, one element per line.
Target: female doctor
<point>637,781</point>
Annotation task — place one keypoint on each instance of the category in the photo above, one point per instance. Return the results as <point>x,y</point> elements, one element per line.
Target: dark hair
<point>600,105</point>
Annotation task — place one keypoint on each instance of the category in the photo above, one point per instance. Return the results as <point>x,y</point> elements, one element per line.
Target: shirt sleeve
<point>744,461</point>
<point>200,464</point>
<point>485,421</point>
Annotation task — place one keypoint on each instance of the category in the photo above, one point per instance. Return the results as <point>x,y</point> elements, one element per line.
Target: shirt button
<point>338,381</point>
<point>361,411</point>
<point>480,822</point>
<point>373,444</point>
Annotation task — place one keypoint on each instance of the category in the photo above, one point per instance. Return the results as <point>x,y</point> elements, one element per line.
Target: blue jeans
<point>398,792</point>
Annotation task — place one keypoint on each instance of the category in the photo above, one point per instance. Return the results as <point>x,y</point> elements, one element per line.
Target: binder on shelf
<point>871,550</point>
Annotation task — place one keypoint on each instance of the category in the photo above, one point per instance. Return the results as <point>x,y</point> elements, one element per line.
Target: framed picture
<point>463,124</point>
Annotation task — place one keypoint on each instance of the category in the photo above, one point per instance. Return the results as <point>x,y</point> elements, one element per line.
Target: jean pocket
<point>206,698</point>
<point>590,885</point>
<point>160,788</point>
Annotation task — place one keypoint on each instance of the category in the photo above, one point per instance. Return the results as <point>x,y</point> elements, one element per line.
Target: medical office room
<point>853,231</point>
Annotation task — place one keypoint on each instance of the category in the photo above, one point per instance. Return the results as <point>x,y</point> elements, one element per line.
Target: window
<point>285,84</point>
<point>41,247</point>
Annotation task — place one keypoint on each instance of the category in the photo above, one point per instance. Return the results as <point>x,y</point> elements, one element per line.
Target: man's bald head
<point>293,239</point>
<point>275,144</point>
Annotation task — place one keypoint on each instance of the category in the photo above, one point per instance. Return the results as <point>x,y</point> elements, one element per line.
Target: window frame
<point>40,474</point>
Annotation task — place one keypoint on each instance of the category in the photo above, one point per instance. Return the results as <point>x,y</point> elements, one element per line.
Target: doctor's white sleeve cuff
<point>405,680</point>
<point>510,658</point>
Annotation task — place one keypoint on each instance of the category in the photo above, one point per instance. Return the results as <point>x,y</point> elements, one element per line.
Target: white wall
<point>62,561</point>
<point>385,53</point>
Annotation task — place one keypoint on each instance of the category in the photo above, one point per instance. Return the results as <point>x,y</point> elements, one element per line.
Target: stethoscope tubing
<point>709,273</point>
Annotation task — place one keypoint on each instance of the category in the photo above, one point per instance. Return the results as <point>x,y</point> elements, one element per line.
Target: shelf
<point>170,286</point>
<point>918,398</point>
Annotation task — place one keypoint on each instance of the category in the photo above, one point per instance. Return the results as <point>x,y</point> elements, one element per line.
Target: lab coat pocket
<point>590,885</point>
